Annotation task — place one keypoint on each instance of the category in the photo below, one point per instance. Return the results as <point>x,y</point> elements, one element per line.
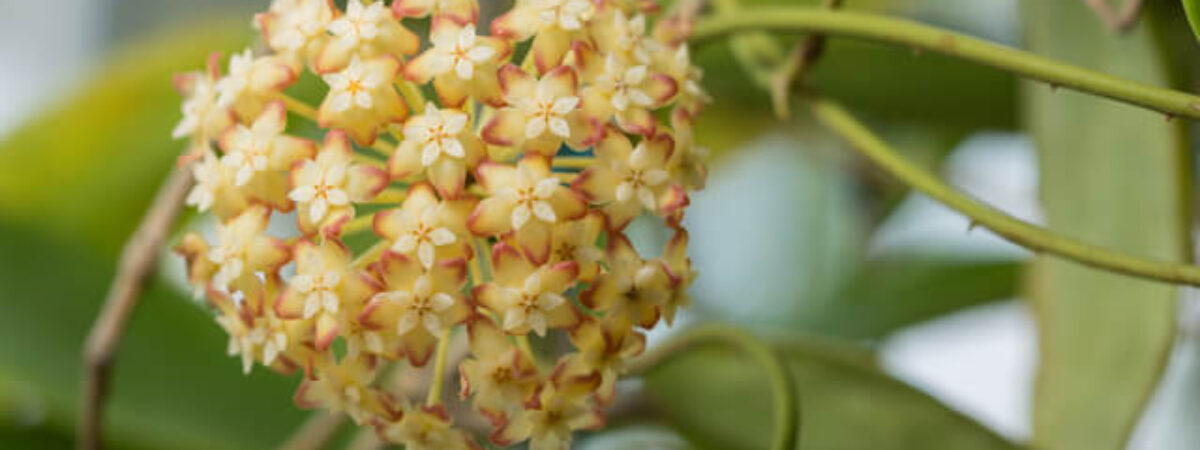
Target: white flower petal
<point>624,192</point>
<point>560,128</point>
<point>430,153</point>
<point>407,322</point>
<point>537,321</point>
<point>514,319</point>
<point>432,323</point>
<point>405,244</point>
<point>453,148</point>
<point>464,69</point>
<point>520,215</point>
<point>317,209</point>
<point>441,301</point>
<point>337,197</point>
<point>302,194</point>
<point>442,236</point>
<point>312,304</point>
<point>544,211</point>
<point>534,127</point>
<point>565,105</point>
<point>426,254</point>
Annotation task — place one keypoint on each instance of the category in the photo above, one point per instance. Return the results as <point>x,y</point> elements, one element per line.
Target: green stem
<point>918,36</point>
<point>783,390</point>
<point>1027,235</point>
<point>435,387</point>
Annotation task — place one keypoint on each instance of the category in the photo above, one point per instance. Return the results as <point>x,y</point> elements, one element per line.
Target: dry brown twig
<point>137,262</point>
<point>1117,21</point>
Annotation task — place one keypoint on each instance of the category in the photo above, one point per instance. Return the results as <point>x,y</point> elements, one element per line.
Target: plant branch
<point>783,390</point>
<point>1019,232</point>
<point>137,262</point>
<point>912,34</point>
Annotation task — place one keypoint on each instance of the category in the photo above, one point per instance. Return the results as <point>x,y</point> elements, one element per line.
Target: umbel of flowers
<point>496,165</point>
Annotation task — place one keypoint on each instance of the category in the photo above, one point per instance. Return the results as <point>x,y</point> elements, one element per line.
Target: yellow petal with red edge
<point>549,47</point>
<point>419,197</point>
<point>508,266</point>
<point>568,204</point>
<point>418,346</point>
<point>517,24</point>
<point>661,88</point>
<point>560,82</point>
<point>448,175</point>
<point>449,276</point>
<point>452,91</point>
<point>506,128</point>
<point>491,216</point>
<point>420,69</point>
<point>405,163</point>
<point>380,314</point>
<point>326,331</point>
<point>637,121</point>
<point>534,241</point>
<point>397,272</point>
<point>516,83</point>
<point>559,277</point>
<point>513,430</point>
<point>289,304</point>
<point>365,182</point>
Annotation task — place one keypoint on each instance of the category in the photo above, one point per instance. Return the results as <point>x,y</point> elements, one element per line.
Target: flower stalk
<point>1035,238</point>
<point>908,33</point>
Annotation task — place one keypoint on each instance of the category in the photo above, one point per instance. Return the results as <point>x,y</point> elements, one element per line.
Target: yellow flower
<point>415,306</point>
<point>361,99</point>
<point>244,249</point>
<point>626,93</point>
<point>542,114</point>
<point>458,11</point>
<point>261,156</point>
<point>461,64</point>
<point>252,82</point>
<point>366,32</point>
<point>295,29</point>
<point>427,428</point>
<point>526,297</point>
<point>628,179</point>
<point>553,24</point>
<point>215,189</point>
<point>577,241</point>
<point>324,188</point>
<point>633,290</point>
<point>440,144</point>
<point>499,377</point>
<point>603,347</point>
<point>527,201</point>
<point>425,228</point>
<point>563,405</point>
<point>326,290</point>
<point>344,386</point>
<point>203,120</point>
<point>681,271</point>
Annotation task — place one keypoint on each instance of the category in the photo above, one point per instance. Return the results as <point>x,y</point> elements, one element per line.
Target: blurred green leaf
<point>86,167</point>
<point>895,292</point>
<point>1192,7</point>
<point>73,184</point>
<point>1112,175</point>
<point>722,401</point>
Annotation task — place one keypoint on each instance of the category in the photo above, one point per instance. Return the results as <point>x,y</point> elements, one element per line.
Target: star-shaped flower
<point>541,114</point>
<point>461,64</point>
<point>415,306</point>
<point>526,200</point>
<point>252,83</point>
<point>527,297</point>
<point>441,145</point>
<point>628,179</point>
<point>261,156</point>
<point>365,31</point>
<point>425,228</point>
<point>324,188</point>
<point>325,289</point>
<point>361,99</point>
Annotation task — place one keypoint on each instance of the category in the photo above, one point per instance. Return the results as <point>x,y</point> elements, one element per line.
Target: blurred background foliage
<point>792,238</point>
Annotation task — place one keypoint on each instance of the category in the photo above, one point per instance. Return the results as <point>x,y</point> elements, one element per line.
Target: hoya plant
<point>423,216</point>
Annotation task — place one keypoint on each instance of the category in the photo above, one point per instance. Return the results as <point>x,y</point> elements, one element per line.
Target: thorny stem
<point>783,390</point>
<point>912,34</point>
<point>137,262</point>
<point>1022,233</point>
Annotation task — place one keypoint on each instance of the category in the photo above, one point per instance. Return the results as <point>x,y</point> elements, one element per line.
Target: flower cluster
<point>496,166</point>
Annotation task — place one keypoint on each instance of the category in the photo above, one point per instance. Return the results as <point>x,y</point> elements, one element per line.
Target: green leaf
<point>73,184</point>
<point>722,401</point>
<point>87,167</point>
<point>891,293</point>
<point>1111,175</point>
<point>1192,8</point>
